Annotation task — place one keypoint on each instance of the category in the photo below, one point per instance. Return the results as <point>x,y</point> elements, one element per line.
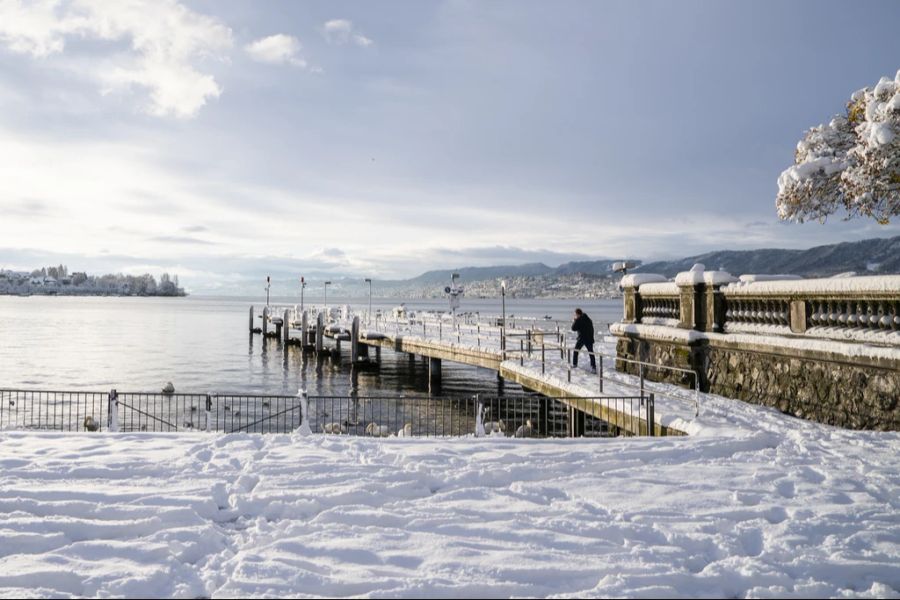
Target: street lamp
<point>369,316</point>
<point>327,283</point>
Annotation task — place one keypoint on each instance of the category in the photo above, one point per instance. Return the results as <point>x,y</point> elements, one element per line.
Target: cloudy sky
<point>224,140</point>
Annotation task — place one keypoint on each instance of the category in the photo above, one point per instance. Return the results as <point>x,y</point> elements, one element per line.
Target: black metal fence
<point>379,416</point>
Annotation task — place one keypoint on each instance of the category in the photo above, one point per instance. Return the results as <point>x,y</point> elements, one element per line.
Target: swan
<point>337,428</point>
<point>378,430</point>
<point>525,430</point>
<point>492,427</point>
<point>406,431</point>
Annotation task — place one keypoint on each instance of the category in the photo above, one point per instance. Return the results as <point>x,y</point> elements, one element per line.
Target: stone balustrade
<point>823,349</point>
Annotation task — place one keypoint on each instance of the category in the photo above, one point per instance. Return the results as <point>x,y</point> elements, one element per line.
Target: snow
<point>866,284</point>
<point>667,288</point>
<point>753,503</point>
<point>692,277</point>
<point>777,507</point>
<point>638,279</point>
<point>752,278</point>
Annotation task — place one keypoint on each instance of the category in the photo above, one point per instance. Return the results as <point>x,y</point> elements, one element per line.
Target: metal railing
<point>378,416</point>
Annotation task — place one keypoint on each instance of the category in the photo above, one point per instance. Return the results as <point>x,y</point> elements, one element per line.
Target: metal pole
<point>542,359</point>
<point>641,373</point>
<point>600,372</point>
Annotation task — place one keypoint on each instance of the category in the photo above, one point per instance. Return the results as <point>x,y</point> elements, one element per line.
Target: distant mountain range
<point>873,256</point>
<point>442,276</point>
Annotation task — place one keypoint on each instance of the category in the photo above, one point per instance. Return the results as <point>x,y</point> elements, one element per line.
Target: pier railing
<point>375,416</point>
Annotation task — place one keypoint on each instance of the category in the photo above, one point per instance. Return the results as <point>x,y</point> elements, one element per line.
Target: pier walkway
<point>533,354</point>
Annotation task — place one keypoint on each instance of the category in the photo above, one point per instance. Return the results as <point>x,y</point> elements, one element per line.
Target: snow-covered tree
<point>853,162</point>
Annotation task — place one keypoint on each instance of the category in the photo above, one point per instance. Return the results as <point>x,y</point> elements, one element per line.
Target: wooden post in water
<point>251,318</point>
<point>304,331</point>
<point>320,332</point>
<point>354,341</point>
<point>265,327</point>
<point>287,328</point>
<point>434,374</point>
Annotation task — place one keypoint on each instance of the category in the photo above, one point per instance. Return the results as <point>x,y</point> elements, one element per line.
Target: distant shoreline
<point>92,293</point>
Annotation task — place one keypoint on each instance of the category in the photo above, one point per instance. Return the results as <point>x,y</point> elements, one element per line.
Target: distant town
<point>58,281</point>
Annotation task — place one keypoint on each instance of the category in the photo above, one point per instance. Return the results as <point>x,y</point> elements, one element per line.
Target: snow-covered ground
<point>753,503</point>
<point>782,508</point>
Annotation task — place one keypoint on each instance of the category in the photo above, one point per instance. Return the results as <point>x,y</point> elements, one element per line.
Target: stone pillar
<point>798,316</point>
<point>693,306</point>
<point>632,305</point>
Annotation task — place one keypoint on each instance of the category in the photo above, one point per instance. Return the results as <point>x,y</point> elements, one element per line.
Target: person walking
<point>583,325</point>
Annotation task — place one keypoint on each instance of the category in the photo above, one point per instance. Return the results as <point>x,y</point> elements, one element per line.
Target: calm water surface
<point>201,344</point>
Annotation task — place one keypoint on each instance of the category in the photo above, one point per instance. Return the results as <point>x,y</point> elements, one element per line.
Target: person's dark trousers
<point>589,346</point>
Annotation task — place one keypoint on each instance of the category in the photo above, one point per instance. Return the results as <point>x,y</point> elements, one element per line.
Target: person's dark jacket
<point>585,328</point>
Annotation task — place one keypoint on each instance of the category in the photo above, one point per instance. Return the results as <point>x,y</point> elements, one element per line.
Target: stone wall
<point>857,394</point>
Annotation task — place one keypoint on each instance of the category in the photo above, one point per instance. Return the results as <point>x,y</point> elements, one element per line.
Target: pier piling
<point>320,332</point>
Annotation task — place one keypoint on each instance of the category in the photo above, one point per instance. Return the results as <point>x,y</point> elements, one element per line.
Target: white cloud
<point>342,31</point>
<point>165,41</point>
<point>277,49</point>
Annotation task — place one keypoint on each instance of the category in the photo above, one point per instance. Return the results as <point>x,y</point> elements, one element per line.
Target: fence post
<point>479,417</point>
<point>651,415</point>
<point>304,429</point>
<point>113,411</point>
<point>208,414</point>
<point>568,366</point>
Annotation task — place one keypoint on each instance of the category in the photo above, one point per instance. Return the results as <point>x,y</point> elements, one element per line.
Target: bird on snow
<point>336,428</point>
<point>169,388</point>
<point>90,424</point>
<point>378,430</point>
<point>492,427</point>
<point>525,430</point>
<point>406,431</point>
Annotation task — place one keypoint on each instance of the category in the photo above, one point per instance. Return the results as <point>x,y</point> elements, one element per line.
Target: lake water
<point>201,344</point>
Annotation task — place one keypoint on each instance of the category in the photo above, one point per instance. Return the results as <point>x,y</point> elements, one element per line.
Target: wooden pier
<point>311,338</point>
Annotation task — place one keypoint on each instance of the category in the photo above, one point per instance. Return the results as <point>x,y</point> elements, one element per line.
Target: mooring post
<point>251,318</point>
<point>651,415</point>
<point>287,328</point>
<point>568,366</point>
<point>320,332</point>
<point>354,340</point>
<point>265,327</point>
<point>304,330</point>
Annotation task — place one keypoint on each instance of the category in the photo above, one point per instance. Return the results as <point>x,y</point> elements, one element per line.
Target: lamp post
<point>268,285</point>
<point>369,315</point>
<point>327,283</point>
<point>302,287</point>
<point>503,317</point>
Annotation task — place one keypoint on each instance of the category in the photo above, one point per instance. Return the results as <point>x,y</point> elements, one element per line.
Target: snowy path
<point>794,508</point>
